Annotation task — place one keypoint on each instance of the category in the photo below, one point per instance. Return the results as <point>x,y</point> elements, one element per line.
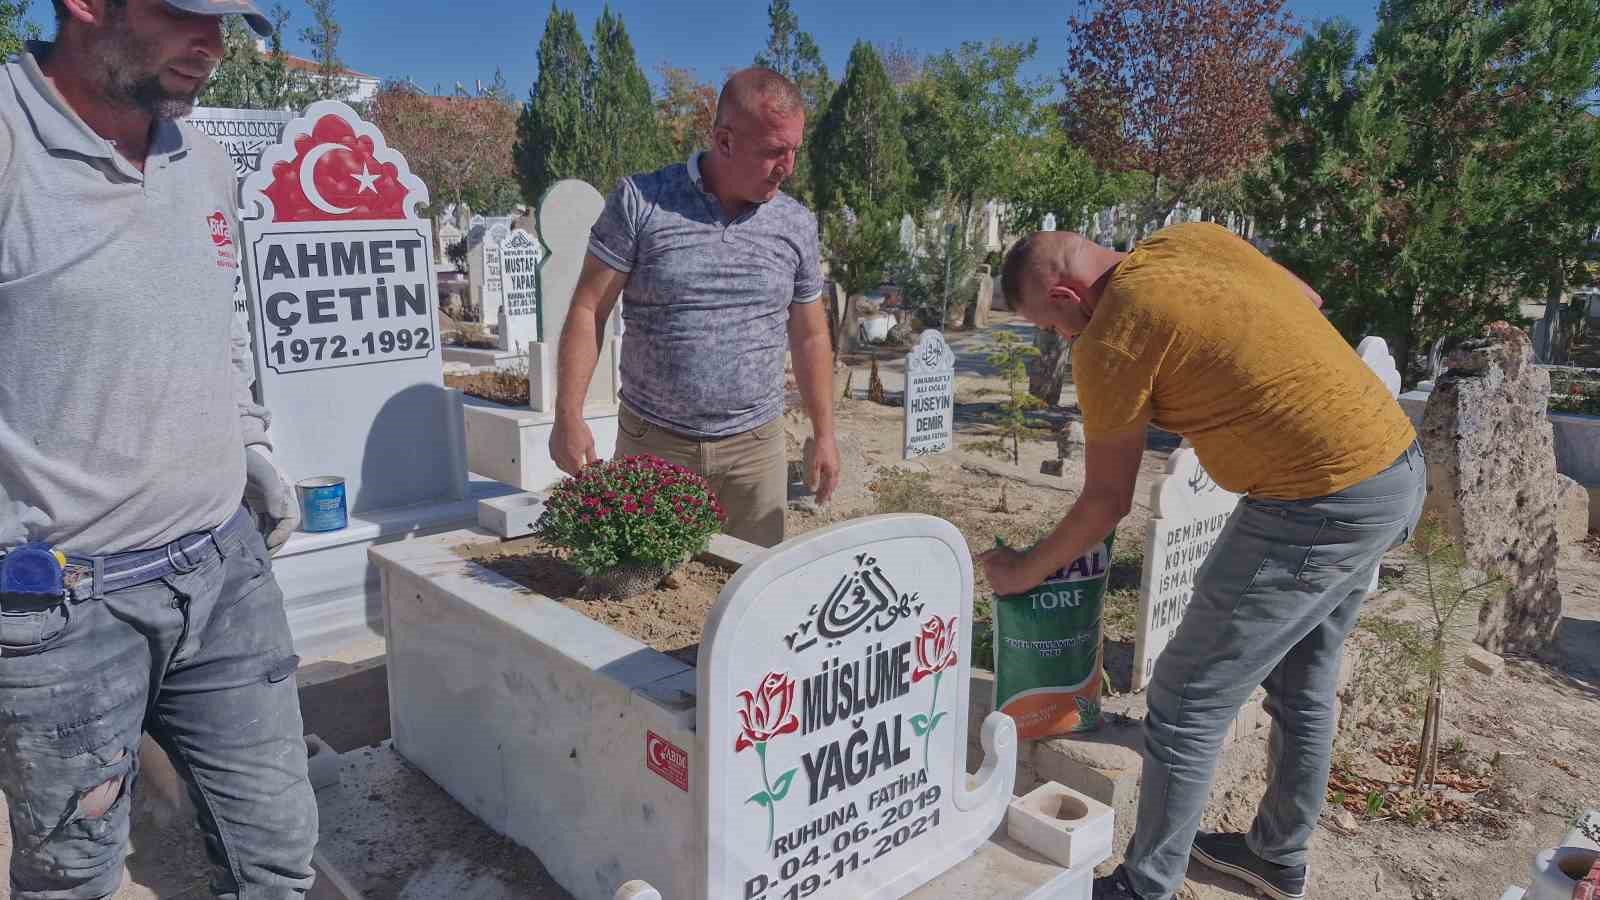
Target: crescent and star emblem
<point>308,183</point>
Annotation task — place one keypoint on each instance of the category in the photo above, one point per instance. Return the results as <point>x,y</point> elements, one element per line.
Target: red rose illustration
<point>936,647</point>
<point>767,711</point>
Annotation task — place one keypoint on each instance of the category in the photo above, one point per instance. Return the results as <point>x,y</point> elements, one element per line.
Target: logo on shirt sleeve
<point>222,237</point>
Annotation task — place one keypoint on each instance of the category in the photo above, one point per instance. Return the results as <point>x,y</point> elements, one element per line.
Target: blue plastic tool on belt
<point>33,572</point>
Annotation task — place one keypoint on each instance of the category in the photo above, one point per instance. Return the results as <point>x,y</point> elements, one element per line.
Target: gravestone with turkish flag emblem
<point>344,315</point>
<point>833,684</point>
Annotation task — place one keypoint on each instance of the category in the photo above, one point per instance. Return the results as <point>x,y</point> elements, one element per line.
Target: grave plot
<point>817,747</point>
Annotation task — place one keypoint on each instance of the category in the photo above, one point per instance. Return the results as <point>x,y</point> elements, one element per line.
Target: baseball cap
<point>252,13</point>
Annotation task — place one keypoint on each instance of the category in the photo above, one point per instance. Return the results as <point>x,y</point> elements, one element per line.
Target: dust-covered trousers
<point>202,660</point>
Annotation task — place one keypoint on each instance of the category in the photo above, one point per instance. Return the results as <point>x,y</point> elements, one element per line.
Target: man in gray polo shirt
<point>127,438</point>
<point>718,270</point>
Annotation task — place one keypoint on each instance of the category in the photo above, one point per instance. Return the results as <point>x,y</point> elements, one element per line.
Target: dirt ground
<point>1522,748</point>
<point>670,619</point>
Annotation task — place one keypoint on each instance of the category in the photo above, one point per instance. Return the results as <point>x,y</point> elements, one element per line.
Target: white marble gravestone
<point>1188,510</point>
<point>520,257</point>
<point>1049,222</point>
<point>930,396</point>
<point>513,445</point>
<point>833,683</point>
<point>908,235</point>
<point>344,317</point>
<point>1375,353</point>
<point>492,295</point>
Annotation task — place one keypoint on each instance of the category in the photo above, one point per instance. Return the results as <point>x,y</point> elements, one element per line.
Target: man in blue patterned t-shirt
<point>719,270</point>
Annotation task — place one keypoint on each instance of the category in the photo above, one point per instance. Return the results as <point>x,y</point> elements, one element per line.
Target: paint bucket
<point>322,505</point>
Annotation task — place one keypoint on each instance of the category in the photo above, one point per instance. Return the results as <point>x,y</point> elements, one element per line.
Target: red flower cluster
<point>638,509</point>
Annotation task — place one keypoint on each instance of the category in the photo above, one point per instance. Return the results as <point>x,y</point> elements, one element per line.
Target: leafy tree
<point>1426,187</point>
<point>969,105</point>
<point>428,132</point>
<point>249,79</point>
<point>860,250</point>
<point>794,54</point>
<point>686,110</point>
<point>15,27</point>
<point>1051,175</point>
<point>903,64</point>
<point>859,147</point>
<point>1009,355</point>
<point>328,82</point>
<point>1175,88</point>
<point>553,138</point>
<point>922,278</point>
<point>627,136</point>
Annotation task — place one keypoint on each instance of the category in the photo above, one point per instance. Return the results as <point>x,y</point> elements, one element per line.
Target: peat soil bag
<point>1047,649</point>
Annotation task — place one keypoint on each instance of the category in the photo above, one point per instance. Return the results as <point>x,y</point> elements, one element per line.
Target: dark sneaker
<point>1114,887</point>
<point>1230,855</point>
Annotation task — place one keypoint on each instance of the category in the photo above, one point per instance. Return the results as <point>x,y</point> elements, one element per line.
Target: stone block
<point>1062,825</point>
<point>323,763</point>
<point>513,516</point>
<point>1572,511</point>
<point>1484,661</point>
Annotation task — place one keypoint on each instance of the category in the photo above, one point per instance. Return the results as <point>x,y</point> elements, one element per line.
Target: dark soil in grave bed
<point>497,387</point>
<point>669,619</point>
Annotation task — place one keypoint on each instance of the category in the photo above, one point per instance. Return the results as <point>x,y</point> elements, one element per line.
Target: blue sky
<point>439,43</point>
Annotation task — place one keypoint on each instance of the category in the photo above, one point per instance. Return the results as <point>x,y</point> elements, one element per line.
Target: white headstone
<point>493,294</point>
<point>477,221</point>
<point>566,214</point>
<point>991,226</point>
<point>930,396</point>
<point>833,684</point>
<point>1188,510</point>
<point>908,234</point>
<point>1374,351</point>
<point>1049,222</point>
<point>520,257</point>
<point>344,314</point>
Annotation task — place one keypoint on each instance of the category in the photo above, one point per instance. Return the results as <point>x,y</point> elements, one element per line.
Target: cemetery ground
<point>1521,746</point>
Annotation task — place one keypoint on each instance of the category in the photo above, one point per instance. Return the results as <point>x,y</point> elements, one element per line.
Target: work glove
<point>270,495</point>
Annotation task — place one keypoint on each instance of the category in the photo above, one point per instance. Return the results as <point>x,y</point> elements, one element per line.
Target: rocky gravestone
<point>833,685</point>
<point>930,396</point>
<point>1188,511</point>
<point>1492,481</point>
<point>520,257</point>
<point>344,315</point>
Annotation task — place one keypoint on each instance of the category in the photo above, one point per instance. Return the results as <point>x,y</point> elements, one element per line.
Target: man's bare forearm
<point>581,339</point>
<point>813,371</point>
<point>1092,517</point>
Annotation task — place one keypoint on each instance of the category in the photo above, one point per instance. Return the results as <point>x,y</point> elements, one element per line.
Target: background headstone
<point>1492,481</point>
<point>568,211</point>
<point>1374,351</point>
<point>908,235</point>
<point>833,683</point>
<point>344,313</point>
<point>520,257</point>
<point>493,294</point>
<point>1049,222</point>
<point>930,396</point>
<point>1188,510</point>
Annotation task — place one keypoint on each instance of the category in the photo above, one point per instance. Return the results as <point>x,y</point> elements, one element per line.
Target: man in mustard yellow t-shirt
<point>1197,333</point>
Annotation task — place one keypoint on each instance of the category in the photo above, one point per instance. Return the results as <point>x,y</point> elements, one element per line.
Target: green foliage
<point>1575,392</point>
<point>328,82</point>
<point>859,147</point>
<point>794,54</point>
<point>249,79</point>
<point>588,117</point>
<point>860,249</point>
<point>637,510</point>
<point>968,105</point>
<point>1050,175</point>
<point>1010,355</point>
<point>627,136</point>
<point>1429,185</point>
<point>553,137</point>
<point>15,27</point>
<point>456,252</point>
<point>921,279</point>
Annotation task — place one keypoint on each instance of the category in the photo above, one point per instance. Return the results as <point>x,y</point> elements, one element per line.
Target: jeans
<point>203,661</point>
<point>1272,606</point>
<point>749,472</point>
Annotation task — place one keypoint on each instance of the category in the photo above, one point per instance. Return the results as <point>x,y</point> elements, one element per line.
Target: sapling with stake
<point>1010,356</point>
